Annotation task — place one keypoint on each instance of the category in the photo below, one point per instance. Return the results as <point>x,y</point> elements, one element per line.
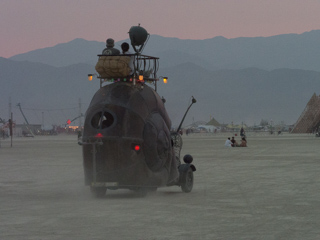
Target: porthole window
<point>95,121</point>
<point>102,120</point>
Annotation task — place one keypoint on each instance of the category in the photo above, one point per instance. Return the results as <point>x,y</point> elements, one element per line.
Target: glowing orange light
<point>140,77</point>
<point>165,80</point>
<point>99,135</point>
<point>90,77</point>
<point>73,127</point>
<point>137,147</point>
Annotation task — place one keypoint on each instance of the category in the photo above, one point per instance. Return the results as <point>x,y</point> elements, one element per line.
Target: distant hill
<point>247,95</point>
<point>296,51</point>
<point>64,54</point>
<point>43,88</point>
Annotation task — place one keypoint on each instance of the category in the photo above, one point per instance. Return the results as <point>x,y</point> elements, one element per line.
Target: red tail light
<point>98,135</point>
<point>137,147</point>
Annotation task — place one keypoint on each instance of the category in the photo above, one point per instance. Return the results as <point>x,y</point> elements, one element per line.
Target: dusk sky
<point>27,25</point>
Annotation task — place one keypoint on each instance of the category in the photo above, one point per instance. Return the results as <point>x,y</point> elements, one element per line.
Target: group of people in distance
<point>234,143</point>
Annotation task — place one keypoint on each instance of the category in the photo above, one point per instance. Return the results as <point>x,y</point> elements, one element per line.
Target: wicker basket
<point>113,66</point>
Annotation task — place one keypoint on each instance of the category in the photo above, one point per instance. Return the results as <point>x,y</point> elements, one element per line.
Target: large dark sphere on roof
<point>138,35</point>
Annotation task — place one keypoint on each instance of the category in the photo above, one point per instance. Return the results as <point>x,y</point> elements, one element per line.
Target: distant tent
<point>231,126</point>
<point>309,119</point>
<point>194,124</point>
<point>214,122</point>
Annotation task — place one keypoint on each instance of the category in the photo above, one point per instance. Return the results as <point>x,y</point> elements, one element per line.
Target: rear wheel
<point>187,180</point>
<point>98,192</point>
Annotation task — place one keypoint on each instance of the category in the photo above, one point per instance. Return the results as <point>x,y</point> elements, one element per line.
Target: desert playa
<point>269,190</point>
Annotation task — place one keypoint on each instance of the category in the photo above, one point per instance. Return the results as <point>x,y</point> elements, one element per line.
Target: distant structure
<point>195,124</point>
<point>214,122</point>
<point>309,120</point>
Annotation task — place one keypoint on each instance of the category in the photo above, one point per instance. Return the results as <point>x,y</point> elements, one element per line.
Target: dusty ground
<point>269,190</point>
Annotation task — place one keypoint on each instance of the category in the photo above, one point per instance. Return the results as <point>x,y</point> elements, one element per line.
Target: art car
<point>126,140</point>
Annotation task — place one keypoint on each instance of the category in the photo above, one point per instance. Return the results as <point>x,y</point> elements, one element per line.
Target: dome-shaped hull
<point>129,130</point>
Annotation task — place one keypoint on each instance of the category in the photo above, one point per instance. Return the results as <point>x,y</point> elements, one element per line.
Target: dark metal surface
<point>125,115</point>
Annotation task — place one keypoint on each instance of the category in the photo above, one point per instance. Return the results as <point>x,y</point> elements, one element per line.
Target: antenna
<point>192,102</point>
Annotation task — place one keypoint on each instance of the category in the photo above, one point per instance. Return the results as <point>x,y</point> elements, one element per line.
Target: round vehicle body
<point>126,139</point>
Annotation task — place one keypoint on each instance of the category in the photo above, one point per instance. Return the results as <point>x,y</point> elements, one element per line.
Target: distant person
<point>125,50</point>
<point>110,50</point>
<point>234,142</point>
<point>228,143</point>
<point>242,133</point>
<point>243,142</point>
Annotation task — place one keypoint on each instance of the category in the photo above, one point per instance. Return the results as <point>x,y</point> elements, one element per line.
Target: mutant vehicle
<point>127,140</point>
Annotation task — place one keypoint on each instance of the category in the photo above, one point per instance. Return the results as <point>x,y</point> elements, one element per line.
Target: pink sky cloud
<point>32,24</point>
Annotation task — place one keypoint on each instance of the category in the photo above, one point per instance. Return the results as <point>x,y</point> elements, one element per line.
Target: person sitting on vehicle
<point>125,50</point>
<point>110,50</point>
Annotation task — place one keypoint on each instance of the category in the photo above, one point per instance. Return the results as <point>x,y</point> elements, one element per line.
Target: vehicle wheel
<point>98,192</point>
<point>187,181</point>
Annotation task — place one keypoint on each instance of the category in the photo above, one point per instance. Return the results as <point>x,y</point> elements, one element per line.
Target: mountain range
<point>234,80</point>
<point>296,51</point>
